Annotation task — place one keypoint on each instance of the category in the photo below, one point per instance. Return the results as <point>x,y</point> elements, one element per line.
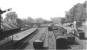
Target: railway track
<point>14,44</point>
<point>29,42</point>
<point>20,44</point>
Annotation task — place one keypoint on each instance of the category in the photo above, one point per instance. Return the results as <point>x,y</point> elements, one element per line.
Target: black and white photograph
<point>43,24</point>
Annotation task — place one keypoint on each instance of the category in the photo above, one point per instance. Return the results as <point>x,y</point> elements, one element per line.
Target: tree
<point>40,20</point>
<point>56,20</point>
<point>20,22</point>
<point>63,21</point>
<point>10,20</point>
<point>77,13</point>
<point>30,20</point>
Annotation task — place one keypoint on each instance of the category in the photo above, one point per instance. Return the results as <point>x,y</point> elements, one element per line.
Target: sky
<point>45,9</point>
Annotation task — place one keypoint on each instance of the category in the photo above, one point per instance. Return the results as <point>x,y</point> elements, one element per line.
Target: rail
<point>17,36</point>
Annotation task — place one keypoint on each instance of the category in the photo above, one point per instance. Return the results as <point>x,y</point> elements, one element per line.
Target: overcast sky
<point>39,8</point>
